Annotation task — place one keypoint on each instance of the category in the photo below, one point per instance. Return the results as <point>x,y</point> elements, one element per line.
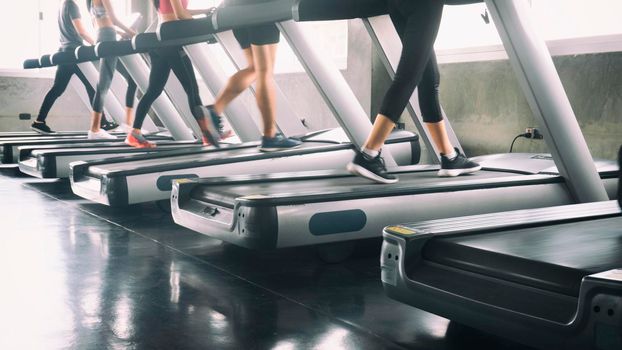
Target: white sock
<point>452,155</point>
<point>370,152</point>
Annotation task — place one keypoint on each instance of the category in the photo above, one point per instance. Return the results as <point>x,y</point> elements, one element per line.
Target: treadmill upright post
<point>333,88</point>
<point>389,48</point>
<point>543,89</point>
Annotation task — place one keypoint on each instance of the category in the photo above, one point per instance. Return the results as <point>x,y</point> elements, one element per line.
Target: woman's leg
<point>238,82</point>
<point>157,80</point>
<point>264,57</point>
<point>431,111</point>
<point>182,67</point>
<point>106,71</point>
<point>61,81</point>
<point>419,24</point>
<point>130,94</point>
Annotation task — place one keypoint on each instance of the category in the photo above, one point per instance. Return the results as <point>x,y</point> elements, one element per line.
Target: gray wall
<point>487,109</point>
<point>24,95</point>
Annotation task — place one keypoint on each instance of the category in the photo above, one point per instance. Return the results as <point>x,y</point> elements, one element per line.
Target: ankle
<point>372,153</point>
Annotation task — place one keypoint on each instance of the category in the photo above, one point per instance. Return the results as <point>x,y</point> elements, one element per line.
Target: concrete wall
<point>24,95</point>
<point>487,109</point>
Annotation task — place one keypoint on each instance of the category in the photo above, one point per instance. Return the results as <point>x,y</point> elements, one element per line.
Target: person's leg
<point>104,124</point>
<point>61,81</point>
<point>182,67</point>
<point>236,84</point>
<point>431,111</point>
<point>106,71</point>
<point>417,24</point>
<point>264,57</point>
<point>158,76</point>
<point>130,94</point>
<point>453,163</point>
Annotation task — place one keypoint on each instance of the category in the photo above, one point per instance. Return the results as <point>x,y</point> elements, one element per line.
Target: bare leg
<point>380,131</point>
<point>129,112</point>
<point>95,121</point>
<point>264,56</point>
<point>439,137</point>
<point>238,82</point>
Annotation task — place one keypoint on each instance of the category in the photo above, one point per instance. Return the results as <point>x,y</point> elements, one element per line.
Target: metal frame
<point>545,94</point>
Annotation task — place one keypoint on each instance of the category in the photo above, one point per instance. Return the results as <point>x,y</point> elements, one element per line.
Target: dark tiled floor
<point>80,275</point>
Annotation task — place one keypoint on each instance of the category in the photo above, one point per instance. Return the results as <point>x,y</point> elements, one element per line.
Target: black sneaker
<point>206,123</point>
<point>106,125</point>
<point>458,166</point>
<point>371,168</point>
<point>41,128</point>
<point>217,121</point>
<point>278,143</point>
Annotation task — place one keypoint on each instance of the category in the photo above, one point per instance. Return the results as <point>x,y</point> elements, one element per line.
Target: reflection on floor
<point>84,276</point>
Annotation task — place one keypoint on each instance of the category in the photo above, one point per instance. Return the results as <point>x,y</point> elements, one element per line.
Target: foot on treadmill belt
<point>100,135</point>
<point>206,123</point>
<point>41,128</point>
<point>217,120</point>
<point>371,168</point>
<point>278,143</point>
<point>136,139</point>
<point>106,125</point>
<point>457,166</point>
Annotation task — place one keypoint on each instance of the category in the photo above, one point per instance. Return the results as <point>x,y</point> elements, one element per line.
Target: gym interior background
<point>170,265</point>
<point>479,91</point>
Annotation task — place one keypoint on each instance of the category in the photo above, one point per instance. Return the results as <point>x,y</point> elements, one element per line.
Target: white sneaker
<point>124,128</point>
<point>100,135</point>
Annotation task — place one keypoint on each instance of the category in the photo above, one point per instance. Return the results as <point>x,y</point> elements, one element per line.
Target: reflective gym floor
<point>77,275</point>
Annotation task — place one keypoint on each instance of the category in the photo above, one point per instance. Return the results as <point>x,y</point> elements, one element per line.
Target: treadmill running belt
<point>553,258</point>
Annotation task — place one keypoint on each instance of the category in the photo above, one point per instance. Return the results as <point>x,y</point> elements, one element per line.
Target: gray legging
<point>107,67</point>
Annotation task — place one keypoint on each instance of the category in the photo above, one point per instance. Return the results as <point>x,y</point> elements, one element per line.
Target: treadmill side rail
<point>250,227</point>
<point>591,321</point>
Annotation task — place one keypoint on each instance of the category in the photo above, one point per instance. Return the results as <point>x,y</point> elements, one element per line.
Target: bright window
<point>570,26</point>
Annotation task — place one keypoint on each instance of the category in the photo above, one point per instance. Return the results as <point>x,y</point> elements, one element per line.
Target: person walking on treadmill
<point>417,24</point>
<point>165,60</point>
<point>72,34</point>
<point>107,23</point>
<point>259,44</point>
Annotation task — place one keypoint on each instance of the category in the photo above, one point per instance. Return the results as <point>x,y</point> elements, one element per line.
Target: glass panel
<point>20,33</point>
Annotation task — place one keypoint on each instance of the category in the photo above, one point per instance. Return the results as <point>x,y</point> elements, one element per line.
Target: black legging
<point>61,81</point>
<point>130,94</point>
<point>417,24</point>
<point>162,62</point>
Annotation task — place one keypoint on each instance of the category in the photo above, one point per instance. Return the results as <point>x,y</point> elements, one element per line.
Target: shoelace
<point>380,160</point>
<point>140,137</point>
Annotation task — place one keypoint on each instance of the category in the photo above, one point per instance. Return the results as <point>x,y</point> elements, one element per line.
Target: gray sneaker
<point>278,143</point>
<point>457,166</point>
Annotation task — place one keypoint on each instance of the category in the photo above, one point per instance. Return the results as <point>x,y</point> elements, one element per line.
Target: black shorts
<point>264,34</point>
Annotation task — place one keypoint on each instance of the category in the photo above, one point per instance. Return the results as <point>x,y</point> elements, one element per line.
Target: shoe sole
<point>42,132</point>
<point>275,149</point>
<point>362,172</point>
<point>138,145</point>
<point>457,172</point>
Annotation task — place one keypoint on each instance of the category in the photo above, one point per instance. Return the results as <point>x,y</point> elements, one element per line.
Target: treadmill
<point>549,278</point>
<point>10,146</point>
<point>284,210</point>
<point>145,178</point>
<point>52,161</point>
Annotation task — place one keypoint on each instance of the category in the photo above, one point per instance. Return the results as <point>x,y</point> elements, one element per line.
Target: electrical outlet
<point>533,133</point>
